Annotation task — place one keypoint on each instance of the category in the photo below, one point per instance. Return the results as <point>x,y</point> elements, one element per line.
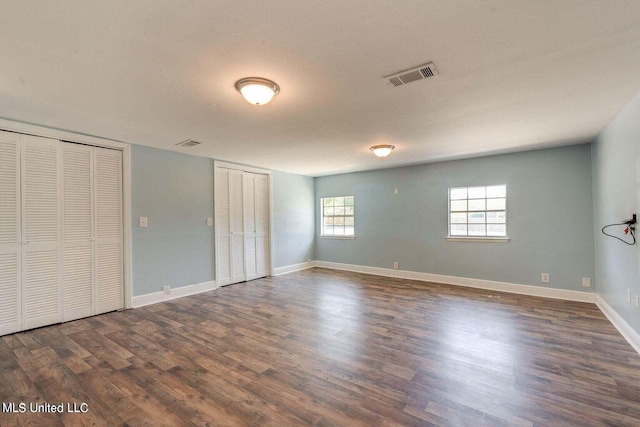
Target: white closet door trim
<point>64,135</point>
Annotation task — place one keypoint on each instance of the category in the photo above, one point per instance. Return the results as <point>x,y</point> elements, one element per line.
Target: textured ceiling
<point>514,75</point>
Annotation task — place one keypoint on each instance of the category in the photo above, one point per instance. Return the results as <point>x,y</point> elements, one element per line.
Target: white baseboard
<point>294,267</point>
<point>156,297</point>
<point>620,324</point>
<point>513,288</point>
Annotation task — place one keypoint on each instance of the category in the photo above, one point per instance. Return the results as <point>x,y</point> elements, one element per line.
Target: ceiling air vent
<point>407,76</point>
<point>188,143</point>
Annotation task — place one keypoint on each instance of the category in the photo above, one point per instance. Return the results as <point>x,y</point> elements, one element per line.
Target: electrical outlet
<point>637,302</point>
<point>143,222</point>
<point>395,191</point>
<point>209,222</point>
<point>395,265</point>
<point>544,277</point>
<point>586,282</point>
<point>166,289</point>
<point>629,296</point>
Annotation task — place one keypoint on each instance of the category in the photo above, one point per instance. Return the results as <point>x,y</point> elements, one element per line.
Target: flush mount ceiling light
<point>382,150</point>
<point>256,90</point>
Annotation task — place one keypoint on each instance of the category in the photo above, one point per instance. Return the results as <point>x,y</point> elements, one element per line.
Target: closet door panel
<point>10,244</point>
<point>248,180</point>
<point>77,231</point>
<point>223,227</point>
<point>237,226</point>
<point>41,232</point>
<point>262,225</point>
<point>109,287</point>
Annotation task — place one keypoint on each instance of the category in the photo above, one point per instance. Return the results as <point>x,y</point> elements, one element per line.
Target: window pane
<point>497,191</point>
<point>348,200</point>
<point>496,204</point>
<point>328,220</point>
<point>348,220</point>
<point>338,201</point>
<point>338,231</point>
<point>458,218</point>
<point>499,217</point>
<point>477,205</point>
<point>476,217</point>
<point>458,193</point>
<point>348,210</point>
<point>458,229</point>
<point>458,205</point>
<point>349,231</point>
<point>477,230</point>
<point>327,230</point>
<point>328,211</point>
<point>496,230</point>
<point>328,201</point>
<point>476,193</point>
<point>338,210</point>
<point>338,220</point>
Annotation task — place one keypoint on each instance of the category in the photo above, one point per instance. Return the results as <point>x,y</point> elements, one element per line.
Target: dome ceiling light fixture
<point>256,90</point>
<point>382,150</point>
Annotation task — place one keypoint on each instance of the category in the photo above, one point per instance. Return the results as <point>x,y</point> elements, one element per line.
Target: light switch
<point>143,221</point>
<point>209,222</point>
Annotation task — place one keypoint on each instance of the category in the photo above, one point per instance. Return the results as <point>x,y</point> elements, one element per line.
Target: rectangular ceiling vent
<point>407,76</point>
<point>188,143</point>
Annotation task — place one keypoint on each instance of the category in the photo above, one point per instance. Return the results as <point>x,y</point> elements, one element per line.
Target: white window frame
<point>322,216</point>
<point>483,238</point>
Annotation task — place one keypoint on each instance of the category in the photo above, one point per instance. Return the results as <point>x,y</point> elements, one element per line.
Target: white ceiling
<point>514,75</point>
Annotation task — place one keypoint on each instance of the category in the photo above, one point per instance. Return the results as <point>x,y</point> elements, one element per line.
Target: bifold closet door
<point>109,232</point>
<point>242,225</point>
<point>236,225</point>
<point>41,232</point>
<point>78,231</point>
<point>93,268</point>
<point>229,227</point>
<point>256,222</point>
<point>223,230</point>
<point>10,234</point>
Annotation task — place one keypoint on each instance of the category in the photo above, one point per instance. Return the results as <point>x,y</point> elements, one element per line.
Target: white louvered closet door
<point>41,239</point>
<point>10,234</point>
<point>223,227</point>
<point>262,225</point>
<point>237,226</point>
<point>242,225</point>
<point>248,186</point>
<point>109,288</point>
<point>256,224</point>
<point>78,252</point>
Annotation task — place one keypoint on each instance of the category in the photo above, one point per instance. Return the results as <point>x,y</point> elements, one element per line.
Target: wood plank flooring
<point>329,348</point>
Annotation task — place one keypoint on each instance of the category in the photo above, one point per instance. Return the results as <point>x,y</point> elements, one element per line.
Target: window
<point>478,211</point>
<point>338,214</point>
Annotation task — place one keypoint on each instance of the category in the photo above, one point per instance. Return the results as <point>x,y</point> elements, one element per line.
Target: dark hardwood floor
<point>324,348</point>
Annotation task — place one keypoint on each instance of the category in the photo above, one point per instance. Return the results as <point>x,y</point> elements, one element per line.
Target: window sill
<point>478,239</point>
<point>338,237</point>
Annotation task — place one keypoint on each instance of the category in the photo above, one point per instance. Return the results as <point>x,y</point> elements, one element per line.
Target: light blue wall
<point>549,216</point>
<point>293,218</point>
<point>616,192</point>
<point>175,192</point>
